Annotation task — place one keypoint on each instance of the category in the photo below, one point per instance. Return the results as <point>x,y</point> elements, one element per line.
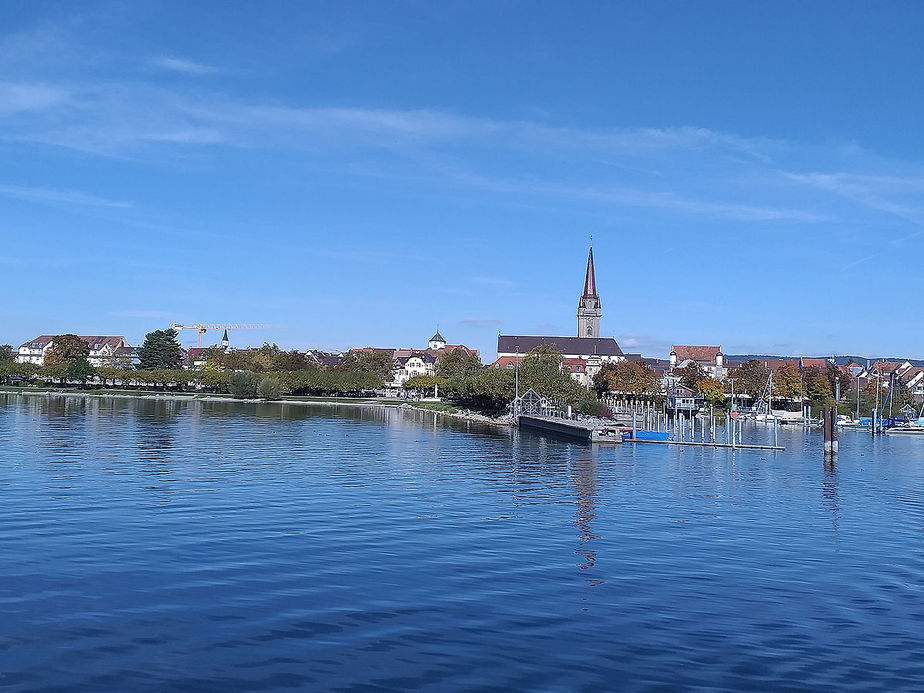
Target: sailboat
<point>766,416</point>
<point>911,426</point>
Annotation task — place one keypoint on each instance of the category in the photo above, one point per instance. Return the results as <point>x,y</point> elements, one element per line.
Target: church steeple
<point>590,282</point>
<point>589,310</point>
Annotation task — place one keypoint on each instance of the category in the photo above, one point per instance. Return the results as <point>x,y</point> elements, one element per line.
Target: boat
<point>864,423</point>
<point>646,435</point>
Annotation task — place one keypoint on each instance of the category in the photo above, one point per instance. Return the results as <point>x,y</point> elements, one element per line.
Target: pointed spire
<point>224,339</point>
<point>590,282</point>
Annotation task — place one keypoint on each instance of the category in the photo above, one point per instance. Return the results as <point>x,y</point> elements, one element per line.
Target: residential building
<point>104,350</point>
<point>709,358</point>
<point>408,363</point>
<point>682,399</point>
<point>411,363</point>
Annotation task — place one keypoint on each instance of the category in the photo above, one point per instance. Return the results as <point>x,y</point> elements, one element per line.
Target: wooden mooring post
<point>830,425</point>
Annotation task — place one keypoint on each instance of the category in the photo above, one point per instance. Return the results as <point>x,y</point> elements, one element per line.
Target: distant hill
<point>839,360</point>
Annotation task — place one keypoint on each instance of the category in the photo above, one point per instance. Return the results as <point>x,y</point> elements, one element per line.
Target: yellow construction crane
<point>202,329</point>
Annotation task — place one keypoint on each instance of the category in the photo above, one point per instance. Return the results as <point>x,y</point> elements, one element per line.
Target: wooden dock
<point>570,428</point>
<point>593,432</point>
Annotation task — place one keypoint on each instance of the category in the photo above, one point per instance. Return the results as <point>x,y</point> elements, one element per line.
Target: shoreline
<point>178,397</point>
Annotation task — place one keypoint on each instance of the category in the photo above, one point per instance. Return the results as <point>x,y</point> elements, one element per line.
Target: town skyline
<point>366,174</point>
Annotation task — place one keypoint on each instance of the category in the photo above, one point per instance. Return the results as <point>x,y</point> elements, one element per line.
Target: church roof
<point>590,280</point>
<point>437,337</point>
<point>601,346</point>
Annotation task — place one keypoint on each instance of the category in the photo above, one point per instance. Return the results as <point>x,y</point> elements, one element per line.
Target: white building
<point>104,351</point>
<point>709,358</point>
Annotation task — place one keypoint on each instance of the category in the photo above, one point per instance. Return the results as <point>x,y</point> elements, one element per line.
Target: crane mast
<point>202,328</point>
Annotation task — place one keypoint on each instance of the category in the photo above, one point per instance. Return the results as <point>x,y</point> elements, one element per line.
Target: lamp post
<point>516,373</point>
<point>858,396</point>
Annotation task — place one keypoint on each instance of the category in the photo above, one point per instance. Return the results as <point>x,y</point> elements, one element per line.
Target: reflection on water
<point>165,544</point>
<point>585,484</point>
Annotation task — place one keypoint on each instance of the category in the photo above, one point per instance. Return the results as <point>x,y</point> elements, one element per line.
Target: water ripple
<point>164,545</point>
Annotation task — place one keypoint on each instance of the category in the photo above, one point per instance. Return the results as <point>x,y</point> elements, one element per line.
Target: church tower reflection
<point>585,483</point>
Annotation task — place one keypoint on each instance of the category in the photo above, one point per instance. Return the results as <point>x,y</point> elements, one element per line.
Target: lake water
<point>157,545</point>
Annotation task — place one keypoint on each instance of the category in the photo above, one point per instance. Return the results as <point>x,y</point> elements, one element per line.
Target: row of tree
<point>815,384</point>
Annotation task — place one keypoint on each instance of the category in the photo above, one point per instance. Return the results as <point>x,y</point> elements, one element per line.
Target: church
<point>584,354</point>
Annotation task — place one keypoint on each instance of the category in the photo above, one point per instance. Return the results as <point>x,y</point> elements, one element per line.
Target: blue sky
<point>751,173</point>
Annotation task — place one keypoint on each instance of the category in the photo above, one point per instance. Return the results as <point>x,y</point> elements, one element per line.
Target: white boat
<point>915,427</point>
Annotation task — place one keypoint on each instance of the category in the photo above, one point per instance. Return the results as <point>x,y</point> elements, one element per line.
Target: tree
<point>490,389</point>
<point>65,348</point>
<point>80,369</point>
<point>243,384</point>
<point>456,362</point>
<point>7,355</point>
<point>541,371</point>
<point>840,381</point>
<point>690,374</point>
<point>376,362</point>
<point>628,377</point>
<point>751,378</point>
<point>292,361</point>
<point>161,351</point>
<point>270,388</point>
<point>788,382</point>
<point>712,390</point>
<point>818,387</point>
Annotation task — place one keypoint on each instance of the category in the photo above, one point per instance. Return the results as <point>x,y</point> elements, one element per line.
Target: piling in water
<point>829,419</point>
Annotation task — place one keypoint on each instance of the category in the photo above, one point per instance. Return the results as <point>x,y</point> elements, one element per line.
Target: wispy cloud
<point>57,196</point>
<point>183,65</point>
<point>684,171</point>
<point>16,98</point>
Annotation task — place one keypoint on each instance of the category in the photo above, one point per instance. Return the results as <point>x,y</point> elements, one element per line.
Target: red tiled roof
<point>700,354</point>
<point>817,363</point>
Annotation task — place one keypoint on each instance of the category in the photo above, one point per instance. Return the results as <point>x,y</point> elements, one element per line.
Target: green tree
<point>456,362</point>
<point>243,384</point>
<point>65,348</point>
<point>7,355</point>
<point>291,361</point>
<point>377,362</point>
<point>270,388</point>
<point>541,370</point>
<point>489,389</point>
<point>80,369</point>
<point>161,350</point>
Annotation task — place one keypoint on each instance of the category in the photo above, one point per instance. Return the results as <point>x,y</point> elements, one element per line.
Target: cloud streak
<point>683,171</point>
<point>184,66</point>
<point>57,196</point>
